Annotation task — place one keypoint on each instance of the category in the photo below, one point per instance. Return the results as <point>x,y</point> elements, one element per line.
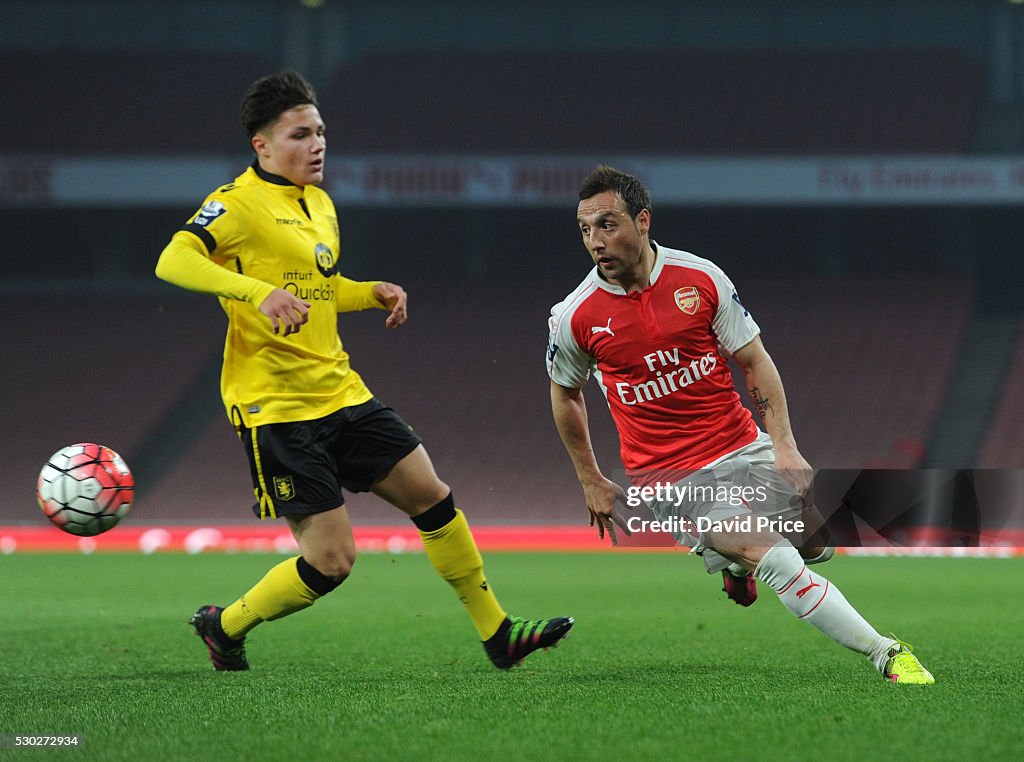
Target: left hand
<point>394,298</point>
<point>601,495</point>
<point>795,470</point>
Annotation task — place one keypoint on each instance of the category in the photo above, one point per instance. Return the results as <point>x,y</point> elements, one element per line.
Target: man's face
<point>613,238</point>
<point>293,146</point>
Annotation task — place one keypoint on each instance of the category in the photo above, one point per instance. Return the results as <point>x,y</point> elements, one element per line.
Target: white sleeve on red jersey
<point>733,325</point>
<point>567,363</point>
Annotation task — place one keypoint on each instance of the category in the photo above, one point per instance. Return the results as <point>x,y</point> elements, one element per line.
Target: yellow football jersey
<point>252,236</point>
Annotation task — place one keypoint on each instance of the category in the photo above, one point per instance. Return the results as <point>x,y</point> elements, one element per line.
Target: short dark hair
<point>269,97</point>
<point>633,192</point>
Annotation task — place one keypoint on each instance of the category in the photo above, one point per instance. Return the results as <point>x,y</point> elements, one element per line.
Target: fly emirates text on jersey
<point>664,382</point>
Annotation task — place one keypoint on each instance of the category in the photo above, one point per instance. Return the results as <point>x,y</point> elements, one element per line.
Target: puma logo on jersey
<point>603,328</point>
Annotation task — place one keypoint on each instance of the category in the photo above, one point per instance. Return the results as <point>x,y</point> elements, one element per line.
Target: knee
<point>746,549</point>
<point>811,551</point>
<point>747,557</point>
<point>339,565</point>
<point>431,494</point>
<point>332,566</point>
<point>816,554</point>
<point>423,497</point>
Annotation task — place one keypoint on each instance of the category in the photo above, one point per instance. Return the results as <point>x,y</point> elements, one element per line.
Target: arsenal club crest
<point>687,299</point>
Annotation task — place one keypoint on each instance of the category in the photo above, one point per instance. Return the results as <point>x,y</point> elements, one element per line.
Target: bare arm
<point>766,391</point>
<point>570,413</point>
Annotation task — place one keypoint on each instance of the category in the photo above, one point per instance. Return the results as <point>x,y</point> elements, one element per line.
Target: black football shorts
<point>300,468</point>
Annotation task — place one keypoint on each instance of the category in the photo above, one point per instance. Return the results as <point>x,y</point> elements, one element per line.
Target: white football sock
<point>818,602</point>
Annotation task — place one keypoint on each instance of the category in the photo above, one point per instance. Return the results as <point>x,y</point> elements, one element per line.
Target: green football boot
<point>903,668</point>
<point>517,638</point>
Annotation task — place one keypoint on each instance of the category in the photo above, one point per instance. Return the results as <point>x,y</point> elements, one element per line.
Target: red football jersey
<point>655,354</point>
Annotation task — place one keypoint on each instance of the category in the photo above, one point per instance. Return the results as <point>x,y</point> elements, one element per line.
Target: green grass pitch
<point>659,666</point>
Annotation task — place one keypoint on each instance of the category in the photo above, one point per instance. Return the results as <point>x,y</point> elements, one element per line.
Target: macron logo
<point>602,328</point>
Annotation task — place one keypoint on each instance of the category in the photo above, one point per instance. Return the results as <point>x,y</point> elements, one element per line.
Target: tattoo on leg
<point>761,404</point>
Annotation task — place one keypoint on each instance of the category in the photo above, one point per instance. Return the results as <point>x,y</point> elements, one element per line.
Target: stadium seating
<point>85,103</point>
<point>1003,446</point>
<point>668,101</point>
<point>866,361</point>
<point>694,102</point>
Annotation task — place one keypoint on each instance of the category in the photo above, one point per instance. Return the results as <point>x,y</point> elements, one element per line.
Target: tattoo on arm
<point>761,404</point>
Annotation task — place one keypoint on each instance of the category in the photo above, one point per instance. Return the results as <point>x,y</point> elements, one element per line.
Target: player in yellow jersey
<point>267,244</point>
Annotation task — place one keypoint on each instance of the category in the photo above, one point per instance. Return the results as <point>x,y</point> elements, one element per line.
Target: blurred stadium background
<point>856,167</point>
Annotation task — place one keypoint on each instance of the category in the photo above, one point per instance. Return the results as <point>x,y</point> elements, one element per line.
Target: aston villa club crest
<point>284,488</point>
<point>687,299</point>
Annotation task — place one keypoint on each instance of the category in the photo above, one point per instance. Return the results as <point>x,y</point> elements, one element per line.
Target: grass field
<point>659,666</point>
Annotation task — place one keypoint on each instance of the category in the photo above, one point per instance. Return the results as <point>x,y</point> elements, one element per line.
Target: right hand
<point>394,298</point>
<point>601,494</point>
<point>285,310</point>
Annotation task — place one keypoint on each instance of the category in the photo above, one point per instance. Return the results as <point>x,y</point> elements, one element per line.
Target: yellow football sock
<point>453,552</point>
<point>280,593</point>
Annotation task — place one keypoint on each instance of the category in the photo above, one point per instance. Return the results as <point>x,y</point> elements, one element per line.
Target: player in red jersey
<point>655,326</point>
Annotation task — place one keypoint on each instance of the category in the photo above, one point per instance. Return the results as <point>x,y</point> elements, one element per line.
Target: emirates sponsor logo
<point>678,374</point>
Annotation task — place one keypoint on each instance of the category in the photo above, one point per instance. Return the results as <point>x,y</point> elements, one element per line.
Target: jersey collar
<point>659,265</point>
<point>270,177</point>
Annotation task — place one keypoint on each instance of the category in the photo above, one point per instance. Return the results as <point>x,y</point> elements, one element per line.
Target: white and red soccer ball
<point>85,489</point>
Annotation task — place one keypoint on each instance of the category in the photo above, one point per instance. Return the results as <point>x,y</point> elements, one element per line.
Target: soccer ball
<point>85,489</point>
